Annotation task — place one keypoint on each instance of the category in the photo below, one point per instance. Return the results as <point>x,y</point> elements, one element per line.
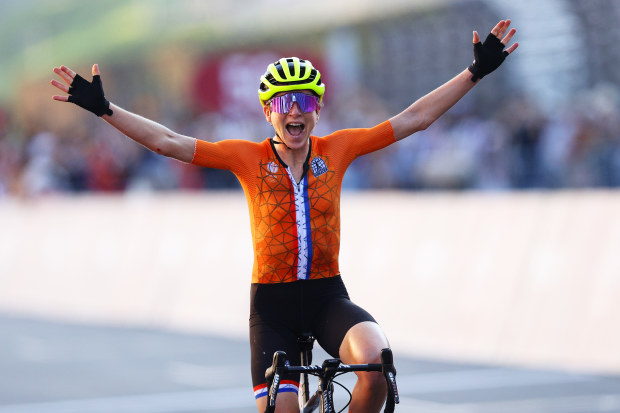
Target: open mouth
<point>295,129</point>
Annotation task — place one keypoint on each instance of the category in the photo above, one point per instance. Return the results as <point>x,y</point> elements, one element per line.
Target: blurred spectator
<point>40,172</point>
<point>517,147</point>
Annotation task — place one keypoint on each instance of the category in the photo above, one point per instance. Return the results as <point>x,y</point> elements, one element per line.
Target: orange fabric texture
<point>295,226</point>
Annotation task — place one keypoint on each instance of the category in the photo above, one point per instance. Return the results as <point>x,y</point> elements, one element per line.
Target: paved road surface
<point>51,367</point>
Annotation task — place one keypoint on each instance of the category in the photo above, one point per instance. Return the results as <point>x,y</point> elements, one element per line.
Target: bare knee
<point>373,381</point>
<point>363,343</point>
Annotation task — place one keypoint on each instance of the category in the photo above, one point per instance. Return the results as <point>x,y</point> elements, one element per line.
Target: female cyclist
<point>292,184</point>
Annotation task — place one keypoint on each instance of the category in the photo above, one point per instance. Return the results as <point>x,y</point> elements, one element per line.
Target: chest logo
<point>318,166</point>
<point>272,167</point>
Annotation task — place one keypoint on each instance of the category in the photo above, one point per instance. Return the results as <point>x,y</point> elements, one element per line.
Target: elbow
<point>425,122</point>
<point>408,123</point>
<point>164,145</point>
<point>175,146</point>
<point>161,149</point>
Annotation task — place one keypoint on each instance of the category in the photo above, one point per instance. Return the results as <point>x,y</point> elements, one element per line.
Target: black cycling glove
<point>487,57</point>
<point>89,95</point>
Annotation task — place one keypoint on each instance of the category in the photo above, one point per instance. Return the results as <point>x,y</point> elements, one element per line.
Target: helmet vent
<point>280,70</point>
<point>298,74</point>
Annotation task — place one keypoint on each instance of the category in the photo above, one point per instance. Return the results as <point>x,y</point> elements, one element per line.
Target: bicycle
<point>326,373</point>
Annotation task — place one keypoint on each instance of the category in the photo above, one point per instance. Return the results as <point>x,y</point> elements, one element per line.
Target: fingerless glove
<point>488,56</point>
<point>89,95</point>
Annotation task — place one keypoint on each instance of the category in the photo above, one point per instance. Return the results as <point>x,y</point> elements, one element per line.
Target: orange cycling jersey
<point>295,225</point>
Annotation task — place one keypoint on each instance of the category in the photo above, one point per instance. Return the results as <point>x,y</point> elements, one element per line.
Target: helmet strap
<point>280,141</point>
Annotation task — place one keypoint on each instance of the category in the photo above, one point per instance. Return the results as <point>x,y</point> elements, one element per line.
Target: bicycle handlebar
<point>273,375</point>
<point>327,371</point>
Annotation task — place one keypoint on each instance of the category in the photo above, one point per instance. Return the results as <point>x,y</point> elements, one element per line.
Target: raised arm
<point>426,110</point>
<point>152,135</point>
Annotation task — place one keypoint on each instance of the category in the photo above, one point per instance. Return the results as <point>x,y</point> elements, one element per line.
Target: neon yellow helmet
<point>287,74</point>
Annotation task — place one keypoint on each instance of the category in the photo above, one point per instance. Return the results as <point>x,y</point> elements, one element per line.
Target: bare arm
<point>426,110</point>
<point>152,135</point>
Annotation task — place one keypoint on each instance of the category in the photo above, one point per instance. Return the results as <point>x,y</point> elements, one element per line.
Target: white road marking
<point>206,400</point>
<point>565,404</point>
<point>481,379</point>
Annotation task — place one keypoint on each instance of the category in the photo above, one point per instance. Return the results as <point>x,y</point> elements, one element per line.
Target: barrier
<point>507,278</point>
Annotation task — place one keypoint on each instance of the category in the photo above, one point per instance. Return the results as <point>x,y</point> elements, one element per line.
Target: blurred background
<point>548,119</point>
<point>124,275</point>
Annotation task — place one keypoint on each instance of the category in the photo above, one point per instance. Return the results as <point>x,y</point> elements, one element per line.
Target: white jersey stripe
<point>303,232</point>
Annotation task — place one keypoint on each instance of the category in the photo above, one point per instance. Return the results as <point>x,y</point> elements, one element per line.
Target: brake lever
<point>389,372</point>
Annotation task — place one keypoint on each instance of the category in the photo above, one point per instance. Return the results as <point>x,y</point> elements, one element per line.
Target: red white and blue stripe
<point>301,213</point>
<point>286,386</point>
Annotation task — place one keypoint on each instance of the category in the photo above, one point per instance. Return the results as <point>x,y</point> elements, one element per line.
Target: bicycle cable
<point>347,390</point>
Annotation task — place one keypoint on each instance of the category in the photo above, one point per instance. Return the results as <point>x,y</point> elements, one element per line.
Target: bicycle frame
<point>306,343</point>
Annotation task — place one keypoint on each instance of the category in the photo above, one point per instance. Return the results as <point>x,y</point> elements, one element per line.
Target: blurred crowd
<point>513,145</point>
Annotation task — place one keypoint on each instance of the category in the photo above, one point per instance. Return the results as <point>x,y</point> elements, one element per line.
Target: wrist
<point>474,70</point>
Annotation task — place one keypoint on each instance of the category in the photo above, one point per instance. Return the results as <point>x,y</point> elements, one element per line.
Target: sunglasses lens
<point>282,104</point>
<point>278,105</point>
<point>307,103</point>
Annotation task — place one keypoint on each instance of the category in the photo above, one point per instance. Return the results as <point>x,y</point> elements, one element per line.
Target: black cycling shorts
<point>279,313</point>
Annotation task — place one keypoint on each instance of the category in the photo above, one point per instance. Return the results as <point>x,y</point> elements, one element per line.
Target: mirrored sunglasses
<point>282,104</point>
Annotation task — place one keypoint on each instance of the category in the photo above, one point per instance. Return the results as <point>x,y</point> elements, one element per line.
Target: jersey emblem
<point>272,167</point>
<point>318,166</point>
